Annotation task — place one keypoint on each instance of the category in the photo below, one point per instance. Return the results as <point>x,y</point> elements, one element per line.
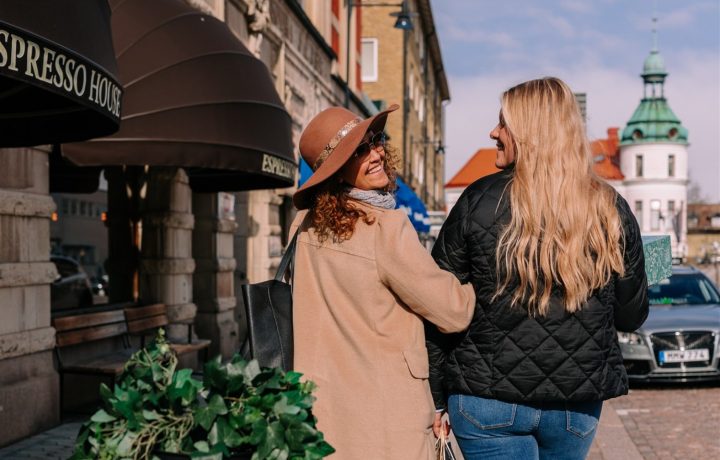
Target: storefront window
<point>80,247</point>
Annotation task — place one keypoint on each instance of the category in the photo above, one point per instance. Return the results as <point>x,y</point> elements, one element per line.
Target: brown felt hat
<point>329,141</point>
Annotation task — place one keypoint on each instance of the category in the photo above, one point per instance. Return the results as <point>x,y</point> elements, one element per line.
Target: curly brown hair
<point>332,213</point>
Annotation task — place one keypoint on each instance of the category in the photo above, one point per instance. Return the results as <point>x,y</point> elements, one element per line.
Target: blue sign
<point>409,202</point>
<point>305,172</point>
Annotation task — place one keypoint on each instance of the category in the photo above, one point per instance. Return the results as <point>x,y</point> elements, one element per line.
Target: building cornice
<point>433,43</point>
<point>298,10</point>
<point>655,181</point>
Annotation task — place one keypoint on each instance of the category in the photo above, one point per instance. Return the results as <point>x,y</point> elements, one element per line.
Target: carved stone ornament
<point>258,15</point>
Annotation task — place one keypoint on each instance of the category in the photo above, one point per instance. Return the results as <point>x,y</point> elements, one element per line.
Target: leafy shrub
<point>237,407</point>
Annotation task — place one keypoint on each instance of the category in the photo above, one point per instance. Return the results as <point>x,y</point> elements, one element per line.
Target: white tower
<point>654,160</point>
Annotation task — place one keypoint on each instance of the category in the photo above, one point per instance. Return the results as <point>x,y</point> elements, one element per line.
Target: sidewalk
<point>611,443</point>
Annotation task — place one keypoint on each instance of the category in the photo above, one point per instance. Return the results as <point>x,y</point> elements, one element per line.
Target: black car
<point>680,341</point>
<point>71,289</point>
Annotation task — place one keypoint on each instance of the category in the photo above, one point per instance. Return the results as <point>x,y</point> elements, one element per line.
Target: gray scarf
<point>376,198</point>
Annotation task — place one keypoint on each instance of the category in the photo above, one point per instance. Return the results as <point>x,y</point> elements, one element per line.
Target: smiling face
<point>366,168</point>
<point>505,145</point>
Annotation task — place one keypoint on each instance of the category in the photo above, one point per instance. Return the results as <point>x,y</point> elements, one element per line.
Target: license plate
<point>684,356</point>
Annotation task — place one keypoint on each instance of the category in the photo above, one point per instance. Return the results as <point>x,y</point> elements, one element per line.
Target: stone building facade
<point>197,248</point>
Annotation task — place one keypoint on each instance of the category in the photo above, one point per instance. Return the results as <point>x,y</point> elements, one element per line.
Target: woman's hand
<point>439,425</point>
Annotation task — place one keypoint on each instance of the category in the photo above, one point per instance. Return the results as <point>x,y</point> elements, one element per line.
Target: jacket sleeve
<point>631,290</point>
<point>451,253</point>
<point>406,267</point>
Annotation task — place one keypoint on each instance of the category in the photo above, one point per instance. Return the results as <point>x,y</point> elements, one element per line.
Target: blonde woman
<point>556,259</point>
<point>363,284</point>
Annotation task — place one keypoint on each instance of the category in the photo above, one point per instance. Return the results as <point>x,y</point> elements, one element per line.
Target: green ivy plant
<point>237,407</point>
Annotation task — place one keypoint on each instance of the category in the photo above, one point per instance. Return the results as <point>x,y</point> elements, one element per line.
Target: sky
<point>597,47</point>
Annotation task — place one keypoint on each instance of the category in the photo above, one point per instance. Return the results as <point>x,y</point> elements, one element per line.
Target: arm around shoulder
<point>407,268</point>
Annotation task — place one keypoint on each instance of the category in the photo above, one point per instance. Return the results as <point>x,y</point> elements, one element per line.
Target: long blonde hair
<point>564,228</point>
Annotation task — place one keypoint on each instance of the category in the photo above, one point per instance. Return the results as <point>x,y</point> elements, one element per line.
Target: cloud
<point>541,18</point>
<point>577,6</point>
<point>677,18</point>
<point>686,15</point>
<point>501,39</point>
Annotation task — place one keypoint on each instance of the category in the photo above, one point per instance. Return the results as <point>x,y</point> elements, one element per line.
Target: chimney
<point>613,134</point>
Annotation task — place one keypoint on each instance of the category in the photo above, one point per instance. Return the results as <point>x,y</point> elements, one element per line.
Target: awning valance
<point>195,98</point>
<point>58,78</point>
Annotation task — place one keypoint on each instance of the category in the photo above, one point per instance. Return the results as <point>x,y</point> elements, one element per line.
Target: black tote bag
<point>268,308</point>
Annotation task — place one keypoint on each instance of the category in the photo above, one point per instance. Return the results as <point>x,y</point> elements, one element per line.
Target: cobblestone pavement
<point>668,422</point>
<point>673,422</point>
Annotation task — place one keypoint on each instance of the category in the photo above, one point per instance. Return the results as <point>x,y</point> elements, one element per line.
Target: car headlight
<point>630,338</point>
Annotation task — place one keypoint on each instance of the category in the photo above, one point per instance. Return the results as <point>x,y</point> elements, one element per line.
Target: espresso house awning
<point>195,98</point>
<point>57,72</point>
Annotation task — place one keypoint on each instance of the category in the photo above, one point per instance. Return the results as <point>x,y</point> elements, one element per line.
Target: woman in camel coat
<point>362,285</point>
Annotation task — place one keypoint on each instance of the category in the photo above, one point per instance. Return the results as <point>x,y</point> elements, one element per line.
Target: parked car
<point>680,339</point>
<point>72,288</point>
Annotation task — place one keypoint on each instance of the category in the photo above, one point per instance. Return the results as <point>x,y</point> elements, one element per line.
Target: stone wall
<point>28,381</point>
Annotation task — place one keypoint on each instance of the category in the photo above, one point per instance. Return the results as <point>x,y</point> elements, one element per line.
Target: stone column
<point>213,289</point>
<point>166,264</point>
<point>29,386</point>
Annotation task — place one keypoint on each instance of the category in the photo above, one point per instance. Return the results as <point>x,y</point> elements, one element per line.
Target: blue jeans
<point>488,429</point>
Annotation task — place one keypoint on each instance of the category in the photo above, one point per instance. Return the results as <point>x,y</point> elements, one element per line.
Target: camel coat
<point>358,334</point>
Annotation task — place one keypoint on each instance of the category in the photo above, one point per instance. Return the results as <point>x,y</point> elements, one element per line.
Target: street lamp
<point>403,18</point>
<point>403,22</point>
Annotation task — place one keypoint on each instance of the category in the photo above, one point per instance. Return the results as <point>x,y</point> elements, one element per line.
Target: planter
<point>245,455</point>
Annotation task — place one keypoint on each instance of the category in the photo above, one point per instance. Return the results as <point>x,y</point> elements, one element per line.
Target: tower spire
<point>654,28</point>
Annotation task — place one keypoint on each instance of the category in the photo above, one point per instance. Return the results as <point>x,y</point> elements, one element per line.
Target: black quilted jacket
<point>509,355</point>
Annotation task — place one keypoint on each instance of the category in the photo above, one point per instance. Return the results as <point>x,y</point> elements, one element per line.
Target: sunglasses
<point>375,141</point>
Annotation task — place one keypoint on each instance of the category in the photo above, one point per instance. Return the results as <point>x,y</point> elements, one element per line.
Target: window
<point>715,221</point>
<point>671,208</point>
<point>369,59</point>
<point>83,208</point>
<point>639,213</point>
<point>692,221</point>
<point>671,165</point>
<point>65,207</point>
<point>638,165</point>
<point>654,214</point>
<point>73,207</point>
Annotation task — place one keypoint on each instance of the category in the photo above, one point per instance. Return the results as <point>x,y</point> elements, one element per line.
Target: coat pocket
<point>417,362</point>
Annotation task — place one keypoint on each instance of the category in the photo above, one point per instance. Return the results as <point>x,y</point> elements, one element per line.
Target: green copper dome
<point>654,120</point>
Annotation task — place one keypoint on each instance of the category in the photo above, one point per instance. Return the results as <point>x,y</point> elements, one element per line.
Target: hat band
<point>347,127</point>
